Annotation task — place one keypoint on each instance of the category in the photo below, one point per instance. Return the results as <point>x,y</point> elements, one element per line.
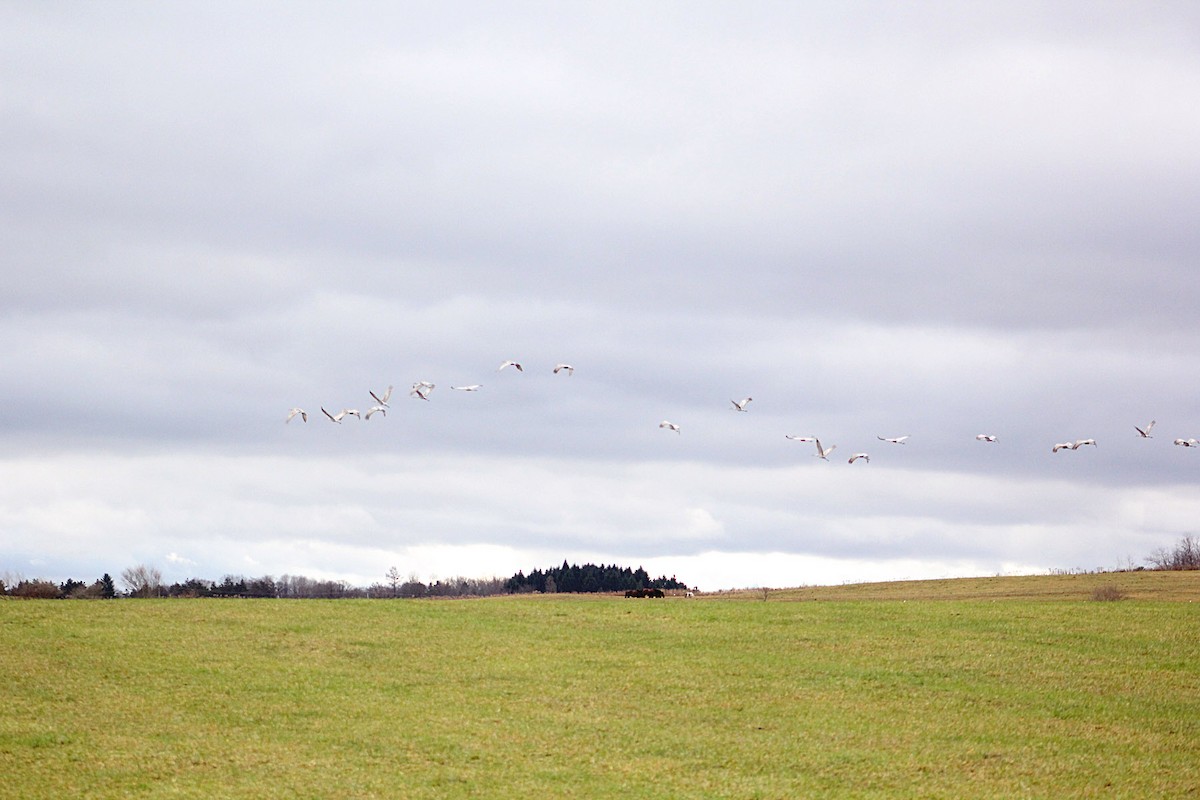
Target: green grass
<point>582,697</point>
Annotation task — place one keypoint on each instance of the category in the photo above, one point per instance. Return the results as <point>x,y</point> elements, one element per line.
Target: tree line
<point>588,578</point>
<point>147,581</point>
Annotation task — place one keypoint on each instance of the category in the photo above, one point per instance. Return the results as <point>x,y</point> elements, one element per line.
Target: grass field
<point>860,692</point>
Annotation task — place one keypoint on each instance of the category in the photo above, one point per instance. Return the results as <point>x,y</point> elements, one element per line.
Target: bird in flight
<point>376,409</point>
<point>383,401</point>
<point>1187,442</point>
<point>1145,432</point>
<point>857,456</point>
<point>986,437</point>
<point>671,426</point>
<point>823,452</point>
<point>511,364</point>
<point>338,417</point>
<point>740,405</point>
<point>303,415</point>
<point>560,367</point>
<point>421,389</point>
<point>893,440</point>
<point>474,387</point>
<point>1075,445</point>
<point>799,438</point>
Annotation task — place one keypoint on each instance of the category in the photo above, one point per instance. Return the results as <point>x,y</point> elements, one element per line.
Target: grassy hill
<point>1134,585</point>
<point>999,687</point>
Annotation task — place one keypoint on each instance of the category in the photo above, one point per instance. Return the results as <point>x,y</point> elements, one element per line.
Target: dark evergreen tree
<point>69,587</point>
<point>107,589</point>
<point>516,583</point>
<point>587,578</point>
<point>229,587</point>
<point>192,587</point>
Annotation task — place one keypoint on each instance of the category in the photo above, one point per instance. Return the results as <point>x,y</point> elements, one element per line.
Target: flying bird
<point>1145,433</point>
<point>1062,446</point>
<point>474,387</point>
<point>671,426</point>
<point>985,437</point>
<point>857,456</point>
<point>421,389</point>
<point>511,364</point>
<point>824,452</point>
<point>560,367</point>
<point>374,409</point>
<point>1187,442</point>
<point>338,417</point>
<point>303,415</point>
<point>740,405</point>
<point>799,438</point>
<point>383,401</point>
<point>1081,442</point>
<point>893,440</point>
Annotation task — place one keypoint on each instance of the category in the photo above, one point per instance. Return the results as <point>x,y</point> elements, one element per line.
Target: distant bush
<point>37,589</point>
<point>1107,593</point>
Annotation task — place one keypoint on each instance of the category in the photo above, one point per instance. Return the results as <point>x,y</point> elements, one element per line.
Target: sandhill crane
<point>857,456</point>
<point>1145,432</point>
<point>560,367</point>
<point>383,401</point>
<point>374,410</point>
<point>1187,442</point>
<point>303,415</point>
<point>422,389</point>
<point>985,437</point>
<point>671,426</point>
<point>511,364</point>
<point>740,405</point>
<point>894,440</point>
<point>823,452</point>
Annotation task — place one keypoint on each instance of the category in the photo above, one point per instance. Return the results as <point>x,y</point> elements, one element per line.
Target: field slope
<point>1135,585</point>
<point>567,696</point>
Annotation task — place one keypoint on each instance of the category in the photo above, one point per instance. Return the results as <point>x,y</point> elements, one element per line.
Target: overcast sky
<point>923,219</point>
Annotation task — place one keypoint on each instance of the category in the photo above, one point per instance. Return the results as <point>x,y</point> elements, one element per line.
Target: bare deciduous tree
<point>394,580</point>
<point>1185,555</point>
<point>142,581</point>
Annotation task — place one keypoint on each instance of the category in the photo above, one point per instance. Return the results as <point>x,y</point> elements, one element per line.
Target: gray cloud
<point>937,221</point>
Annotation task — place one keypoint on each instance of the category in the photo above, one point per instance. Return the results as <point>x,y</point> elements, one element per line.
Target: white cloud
<point>481,517</point>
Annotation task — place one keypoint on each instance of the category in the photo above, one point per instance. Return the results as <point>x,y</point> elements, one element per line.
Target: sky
<point>930,220</point>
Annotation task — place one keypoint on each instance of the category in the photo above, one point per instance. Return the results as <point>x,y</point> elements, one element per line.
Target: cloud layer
<point>937,222</point>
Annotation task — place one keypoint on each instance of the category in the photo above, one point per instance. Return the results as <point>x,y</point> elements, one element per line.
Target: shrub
<point>1107,593</point>
<point>39,589</point>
